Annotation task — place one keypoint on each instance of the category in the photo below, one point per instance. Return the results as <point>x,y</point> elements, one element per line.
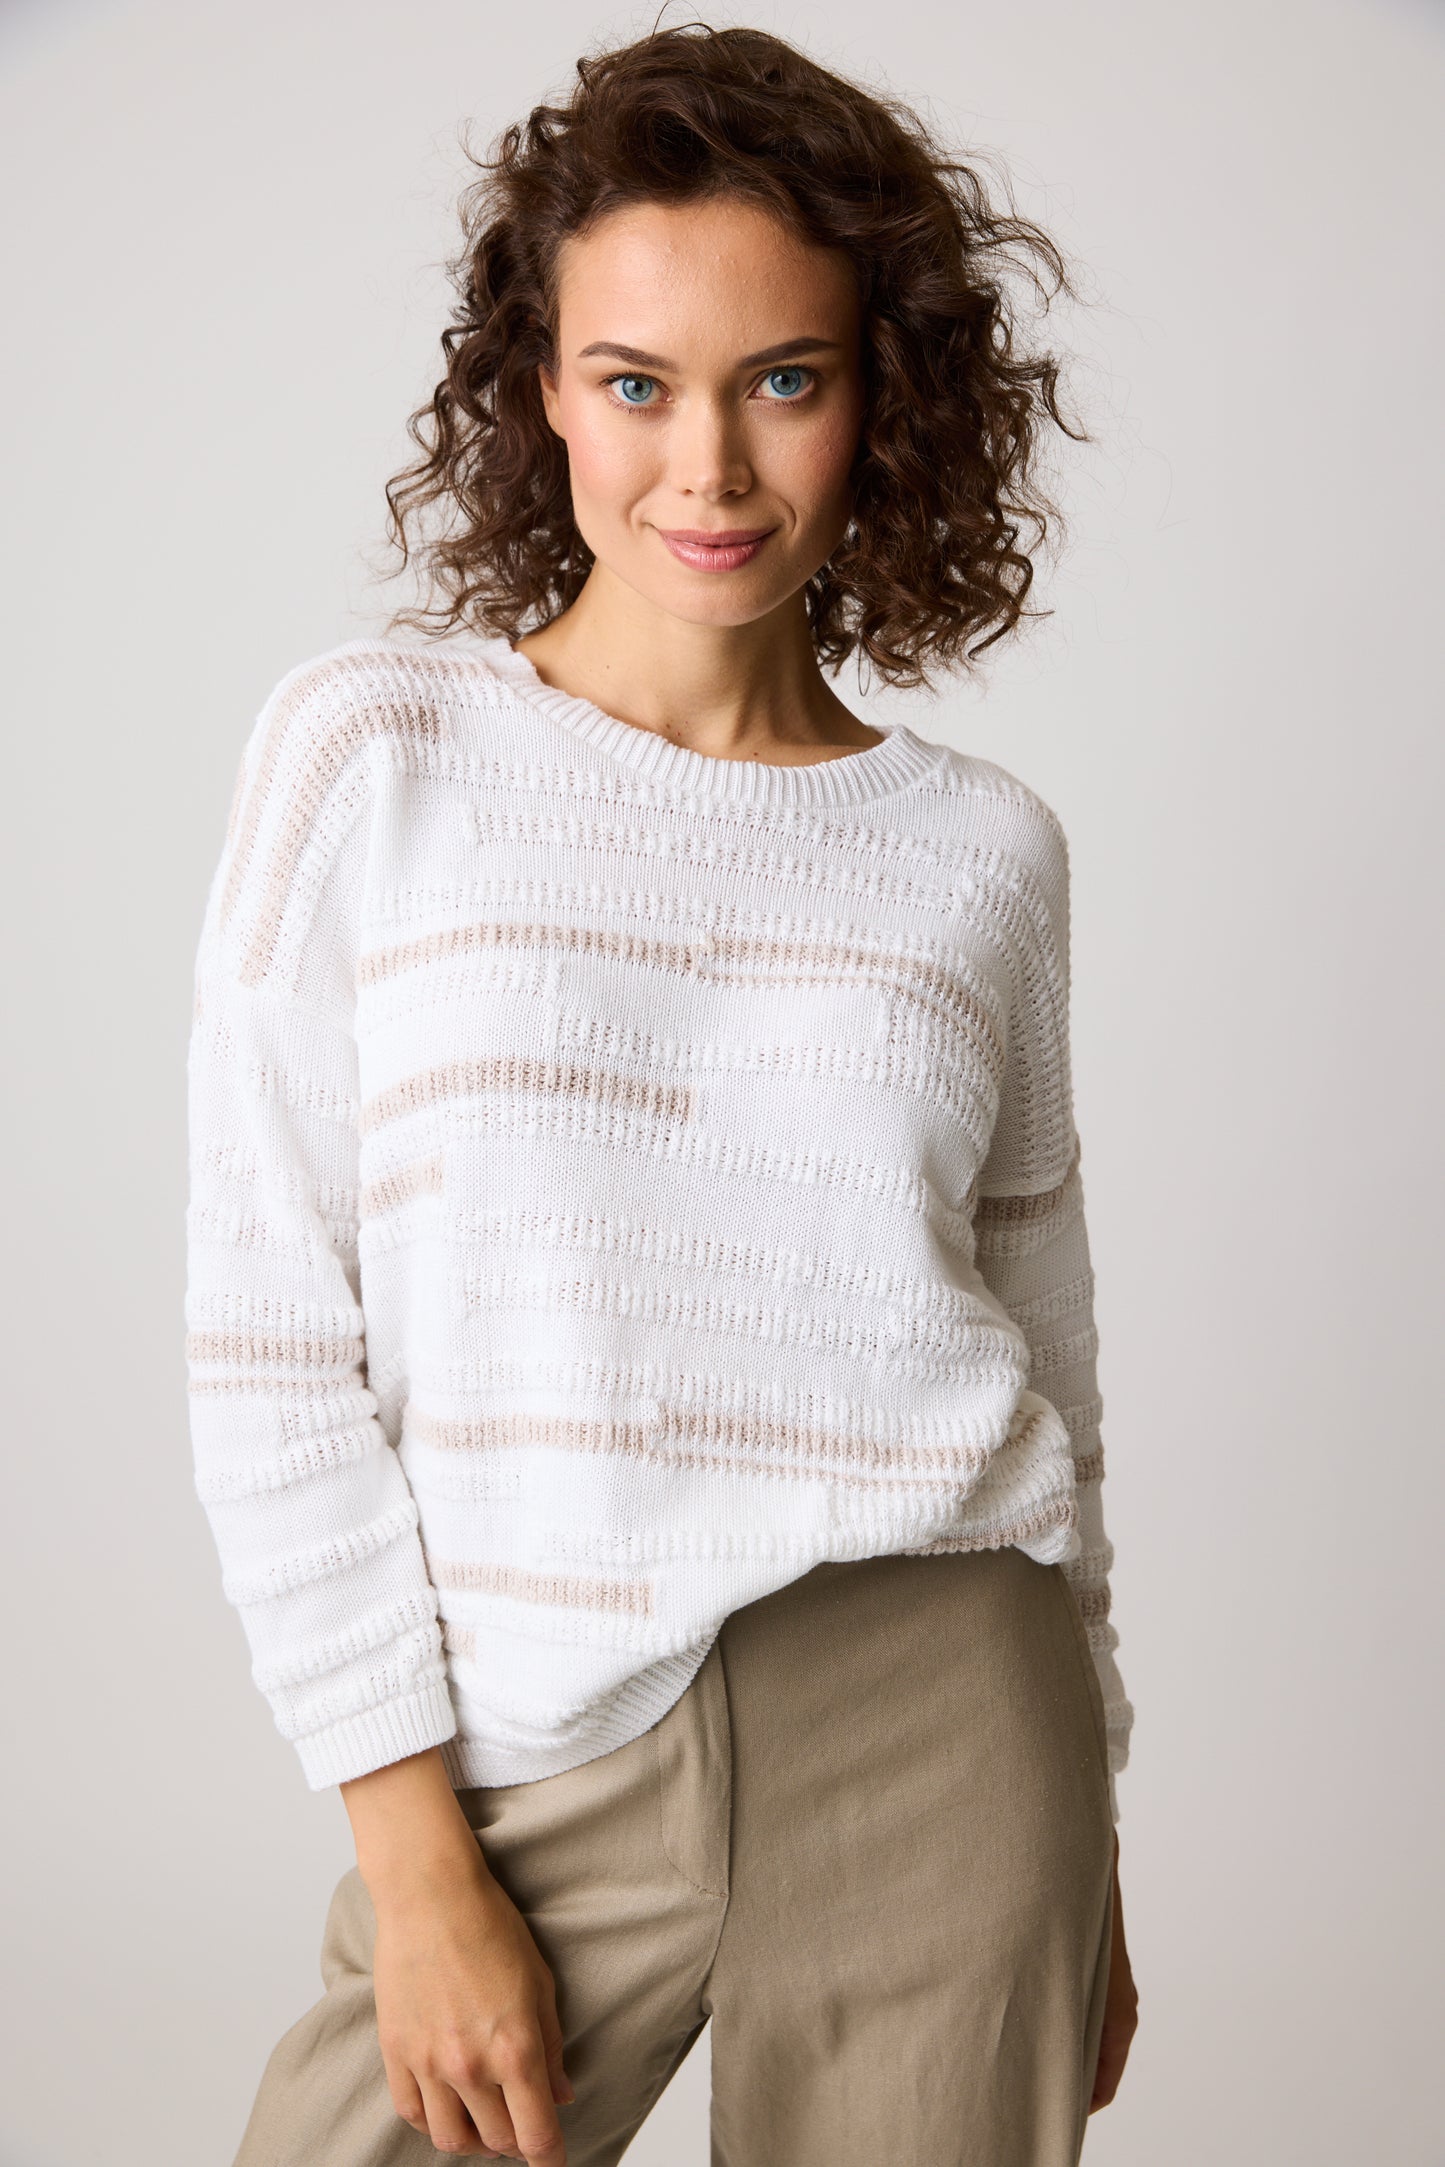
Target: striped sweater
<point>619,1179</point>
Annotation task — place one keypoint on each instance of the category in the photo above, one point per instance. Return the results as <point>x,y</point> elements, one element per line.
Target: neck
<point>739,692</point>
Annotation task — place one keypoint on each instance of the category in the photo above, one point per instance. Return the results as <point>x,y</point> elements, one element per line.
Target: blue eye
<point>786,382</point>
<point>631,386</point>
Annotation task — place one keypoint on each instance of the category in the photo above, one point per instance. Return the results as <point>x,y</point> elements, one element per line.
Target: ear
<point>551,399</point>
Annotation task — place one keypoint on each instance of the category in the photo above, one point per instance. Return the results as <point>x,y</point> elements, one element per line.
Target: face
<point>708,384</point>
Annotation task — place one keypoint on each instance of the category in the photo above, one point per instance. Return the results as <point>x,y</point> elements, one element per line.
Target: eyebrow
<point>640,360</point>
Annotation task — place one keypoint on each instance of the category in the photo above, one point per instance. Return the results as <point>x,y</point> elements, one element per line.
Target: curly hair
<point>945,476</point>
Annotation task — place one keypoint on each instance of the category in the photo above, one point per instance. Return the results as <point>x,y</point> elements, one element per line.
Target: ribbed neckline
<point>849,778</point>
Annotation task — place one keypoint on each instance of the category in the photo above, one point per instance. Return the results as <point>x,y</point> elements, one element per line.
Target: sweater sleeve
<point>309,1506</point>
<point>1032,1243</point>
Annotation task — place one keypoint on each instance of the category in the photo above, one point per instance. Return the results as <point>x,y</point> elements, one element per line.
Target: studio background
<point>224,231</point>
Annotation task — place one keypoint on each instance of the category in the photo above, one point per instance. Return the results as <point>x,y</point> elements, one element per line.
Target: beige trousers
<point>871,1843</point>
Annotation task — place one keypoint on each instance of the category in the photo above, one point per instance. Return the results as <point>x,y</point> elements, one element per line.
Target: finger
<point>483,2102</point>
<point>1106,2078</point>
<point>405,2094</point>
<point>451,2125</point>
<point>533,2112</point>
<point>553,2043</point>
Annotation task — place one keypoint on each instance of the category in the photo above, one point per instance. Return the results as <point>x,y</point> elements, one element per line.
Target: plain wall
<point>224,235</point>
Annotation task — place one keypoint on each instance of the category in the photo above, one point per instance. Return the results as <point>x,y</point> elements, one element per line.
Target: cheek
<point>815,465</point>
<point>609,464</point>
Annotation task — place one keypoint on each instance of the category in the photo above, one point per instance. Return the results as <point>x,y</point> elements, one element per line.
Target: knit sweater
<point>621,1178</point>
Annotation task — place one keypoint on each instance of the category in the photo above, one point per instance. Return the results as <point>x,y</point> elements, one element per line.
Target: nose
<point>708,450</point>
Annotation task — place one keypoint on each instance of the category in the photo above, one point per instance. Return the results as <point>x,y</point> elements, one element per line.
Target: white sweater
<point>620,1178</point>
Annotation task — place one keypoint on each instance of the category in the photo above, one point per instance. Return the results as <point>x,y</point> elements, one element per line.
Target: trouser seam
<point>700,1887</point>
<point>1085,1655</point>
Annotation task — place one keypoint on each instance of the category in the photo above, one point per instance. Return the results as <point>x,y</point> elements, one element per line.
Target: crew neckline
<point>896,763</point>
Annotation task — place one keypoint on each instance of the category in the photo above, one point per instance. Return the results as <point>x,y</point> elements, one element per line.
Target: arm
<point>466,2005</point>
<point>1032,1244</point>
<point>311,1512</point>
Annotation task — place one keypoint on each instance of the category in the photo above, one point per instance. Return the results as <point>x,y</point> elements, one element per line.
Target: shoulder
<point>1010,823</point>
<point>306,772</point>
<point>329,711</point>
<point>331,721</point>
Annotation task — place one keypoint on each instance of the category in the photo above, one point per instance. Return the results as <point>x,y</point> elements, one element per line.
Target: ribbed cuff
<point>378,1736</point>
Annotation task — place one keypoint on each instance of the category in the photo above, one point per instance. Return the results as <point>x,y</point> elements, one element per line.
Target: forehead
<point>721,268</point>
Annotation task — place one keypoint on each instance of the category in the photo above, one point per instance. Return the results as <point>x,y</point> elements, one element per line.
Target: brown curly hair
<point>945,473</point>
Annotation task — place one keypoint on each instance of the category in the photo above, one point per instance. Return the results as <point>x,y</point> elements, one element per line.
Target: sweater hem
<point>638,1704</point>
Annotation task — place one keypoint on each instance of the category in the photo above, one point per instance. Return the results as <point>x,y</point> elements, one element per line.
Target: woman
<point>640,1306</point>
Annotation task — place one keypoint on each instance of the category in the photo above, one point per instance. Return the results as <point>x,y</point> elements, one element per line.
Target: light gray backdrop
<point>224,231</point>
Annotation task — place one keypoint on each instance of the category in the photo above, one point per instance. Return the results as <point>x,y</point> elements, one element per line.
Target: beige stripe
<point>630,1598</point>
<point>741,1441</point>
<point>508,1072</point>
<point>332,671</point>
<point>423,1177</point>
<point>389,707</point>
<point>1055,1354</point>
<point>806,1445</point>
<point>1066,1299</point>
<point>997,1537</point>
<point>318,1351</point>
<point>557,1433</point>
<point>1007,1211</point>
<point>1082,1417</point>
<point>487,1433</point>
<point>233,816</point>
<point>809,1444</point>
<point>740,958</point>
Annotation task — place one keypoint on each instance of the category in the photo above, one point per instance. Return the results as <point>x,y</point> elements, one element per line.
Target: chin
<point>712,598</point>
<point>738,611</point>
<point>683,600</point>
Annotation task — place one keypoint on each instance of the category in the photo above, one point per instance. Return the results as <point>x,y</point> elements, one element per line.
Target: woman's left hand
<point>1121,2007</point>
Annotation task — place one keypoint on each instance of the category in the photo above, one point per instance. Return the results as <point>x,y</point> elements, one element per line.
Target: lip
<point>719,549</point>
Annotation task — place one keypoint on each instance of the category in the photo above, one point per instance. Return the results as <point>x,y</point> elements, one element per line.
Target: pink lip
<point>720,549</point>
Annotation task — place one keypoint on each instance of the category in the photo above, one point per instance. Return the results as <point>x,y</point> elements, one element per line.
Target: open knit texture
<point>620,1178</point>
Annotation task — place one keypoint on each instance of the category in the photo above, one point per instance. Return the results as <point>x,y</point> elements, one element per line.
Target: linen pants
<point>871,1843</point>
